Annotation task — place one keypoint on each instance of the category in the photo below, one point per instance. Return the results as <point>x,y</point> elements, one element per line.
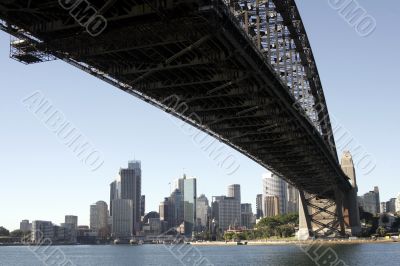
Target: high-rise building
<point>368,202</point>
<point>113,193</point>
<point>175,209</point>
<point>122,219</point>
<point>163,210</point>
<point>391,205</point>
<point>292,199</point>
<point>271,206</point>
<point>226,212</point>
<point>397,204</point>
<point>202,211</point>
<point>131,184</point>
<point>246,215</point>
<point>99,216</point>
<point>72,219</point>
<point>274,185</point>
<point>188,189</point>
<point>383,207</point>
<point>128,186</point>
<point>25,226</point>
<point>189,204</point>
<point>377,200</point>
<point>142,205</point>
<point>234,191</point>
<point>42,230</point>
<point>259,206</point>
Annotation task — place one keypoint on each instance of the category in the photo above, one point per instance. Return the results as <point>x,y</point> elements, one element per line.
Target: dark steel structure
<point>242,71</point>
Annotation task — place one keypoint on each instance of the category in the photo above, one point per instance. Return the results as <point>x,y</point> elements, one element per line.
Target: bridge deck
<point>193,60</point>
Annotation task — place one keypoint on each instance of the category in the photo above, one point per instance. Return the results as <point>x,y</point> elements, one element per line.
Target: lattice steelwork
<point>243,69</point>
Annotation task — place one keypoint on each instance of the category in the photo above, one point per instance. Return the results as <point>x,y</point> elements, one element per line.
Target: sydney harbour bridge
<point>242,71</point>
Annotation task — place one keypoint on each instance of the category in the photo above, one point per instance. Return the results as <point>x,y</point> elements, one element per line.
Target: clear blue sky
<point>42,179</point>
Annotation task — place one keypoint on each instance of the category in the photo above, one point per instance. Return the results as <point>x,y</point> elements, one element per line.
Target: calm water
<point>358,254</point>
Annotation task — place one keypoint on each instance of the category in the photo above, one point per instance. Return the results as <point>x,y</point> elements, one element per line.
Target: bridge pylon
<point>333,216</point>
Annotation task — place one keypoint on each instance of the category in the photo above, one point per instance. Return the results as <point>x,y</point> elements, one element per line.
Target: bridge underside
<point>195,61</point>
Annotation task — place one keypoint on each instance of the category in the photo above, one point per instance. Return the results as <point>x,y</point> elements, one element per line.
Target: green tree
<point>381,231</point>
<point>17,233</point>
<point>4,231</point>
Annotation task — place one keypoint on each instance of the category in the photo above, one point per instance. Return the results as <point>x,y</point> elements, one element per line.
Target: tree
<point>4,231</point>
<point>17,233</point>
<point>381,231</point>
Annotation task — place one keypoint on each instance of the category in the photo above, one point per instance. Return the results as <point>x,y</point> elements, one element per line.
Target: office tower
<point>383,207</point>
<point>131,182</point>
<point>273,185</point>
<point>292,199</point>
<point>391,205</point>
<point>246,215</point>
<point>397,204</point>
<point>259,206</point>
<point>202,211</point>
<point>142,205</point>
<point>271,206</point>
<point>72,219</point>
<point>122,219</point>
<point>42,230</point>
<point>234,192</point>
<point>377,200</point>
<point>113,194</point>
<point>368,202</point>
<point>188,189</point>
<point>25,226</point>
<point>163,210</point>
<point>128,186</point>
<point>99,216</point>
<point>189,204</point>
<point>175,210</point>
<point>225,212</point>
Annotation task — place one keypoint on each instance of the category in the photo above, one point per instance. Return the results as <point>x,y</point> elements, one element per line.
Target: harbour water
<point>348,254</point>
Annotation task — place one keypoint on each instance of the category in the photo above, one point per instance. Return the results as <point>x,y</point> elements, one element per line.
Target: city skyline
<point>120,126</point>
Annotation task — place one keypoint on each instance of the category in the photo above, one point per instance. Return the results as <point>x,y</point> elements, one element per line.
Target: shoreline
<point>294,242</point>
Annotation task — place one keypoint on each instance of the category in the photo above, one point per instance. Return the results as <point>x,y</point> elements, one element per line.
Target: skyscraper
<point>234,191</point>
<point>131,184</point>
<point>292,199</point>
<point>397,205</point>
<point>113,194</point>
<point>175,208</point>
<point>377,200</point>
<point>273,185</point>
<point>226,212</point>
<point>246,215</point>
<point>122,219</point>
<point>259,206</point>
<point>188,188</point>
<point>99,216</point>
<point>72,219</point>
<point>391,205</point>
<point>142,205</point>
<point>202,211</point>
<point>271,206</point>
<point>128,186</point>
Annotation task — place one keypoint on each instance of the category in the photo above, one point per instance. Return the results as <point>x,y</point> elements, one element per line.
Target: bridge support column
<point>321,217</point>
<point>305,227</point>
<point>351,213</point>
